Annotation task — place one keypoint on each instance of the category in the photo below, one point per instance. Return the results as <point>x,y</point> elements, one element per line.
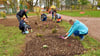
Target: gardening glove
<point>26,32</point>
<point>66,37</point>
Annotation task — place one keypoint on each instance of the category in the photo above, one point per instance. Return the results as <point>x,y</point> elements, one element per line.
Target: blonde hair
<point>72,20</point>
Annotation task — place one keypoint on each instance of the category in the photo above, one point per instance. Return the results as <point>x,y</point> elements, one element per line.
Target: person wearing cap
<point>78,29</point>
<point>20,14</point>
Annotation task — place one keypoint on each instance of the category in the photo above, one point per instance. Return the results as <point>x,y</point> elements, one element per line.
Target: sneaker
<point>26,32</point>
<point>82,38</point>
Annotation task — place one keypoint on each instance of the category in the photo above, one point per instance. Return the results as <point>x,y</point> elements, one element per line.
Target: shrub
<point>3,14</point>
<point>54,30</point>
<point>39,35</point>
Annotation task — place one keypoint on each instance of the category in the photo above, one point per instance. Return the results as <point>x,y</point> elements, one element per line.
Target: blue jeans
<point>44,19</point>
<point>76,33</point>
<point>18,17</point>
<point>52,16</point>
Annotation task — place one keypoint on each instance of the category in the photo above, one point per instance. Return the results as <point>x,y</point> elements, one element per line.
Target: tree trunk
<point>40,3</point>
<point>61,8</point>
<point>36,3</point>
<point>82,7</point>
<point>93,4</point>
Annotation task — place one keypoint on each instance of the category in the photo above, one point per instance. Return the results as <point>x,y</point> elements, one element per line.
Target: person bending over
<point>77,28</point>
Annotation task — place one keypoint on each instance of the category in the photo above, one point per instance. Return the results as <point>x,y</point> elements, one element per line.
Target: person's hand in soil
<point>66,34</point>
<point>66,37</point>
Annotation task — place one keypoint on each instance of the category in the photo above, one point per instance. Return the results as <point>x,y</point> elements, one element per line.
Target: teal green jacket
<point>78,26</point>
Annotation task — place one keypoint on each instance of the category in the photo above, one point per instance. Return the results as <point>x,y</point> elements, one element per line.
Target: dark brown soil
<point>9,22</point>
<point>92,23</point>
<point>56,46</point>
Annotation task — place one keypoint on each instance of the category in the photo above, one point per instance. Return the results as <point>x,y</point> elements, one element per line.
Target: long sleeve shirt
<point>58,16</point>
<point>78,26</point>
<point>21,13</point>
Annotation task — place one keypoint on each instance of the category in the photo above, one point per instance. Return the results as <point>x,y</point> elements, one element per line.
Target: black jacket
<point>21,13</point>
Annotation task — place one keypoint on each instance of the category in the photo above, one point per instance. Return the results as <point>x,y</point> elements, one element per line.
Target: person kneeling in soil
<point>58,17</point>
<point>43,17</point>
<point>78,28</point>
<point>24,26</point>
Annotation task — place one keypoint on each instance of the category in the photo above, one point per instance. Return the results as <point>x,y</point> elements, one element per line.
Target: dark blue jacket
<point>21,24</point>
<point>21,13</point>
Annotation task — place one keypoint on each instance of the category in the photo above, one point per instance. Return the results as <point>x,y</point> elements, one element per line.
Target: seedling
<point>43,39</point>
<point>39,35</point>
<point>54,30</point>
<point>47,26</point>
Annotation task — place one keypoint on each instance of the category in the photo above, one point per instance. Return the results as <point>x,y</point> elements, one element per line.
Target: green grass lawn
<point>11,41</point>
<point>77,13</point>
<point>89,43</point>
<point>28,14</point>
<point>31,14</point>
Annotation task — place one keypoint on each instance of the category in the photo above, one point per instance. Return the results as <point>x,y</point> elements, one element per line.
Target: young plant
<point>54,30</point>
<point>43,39</point>
<point>47,26</point>
<point>39,35</point>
